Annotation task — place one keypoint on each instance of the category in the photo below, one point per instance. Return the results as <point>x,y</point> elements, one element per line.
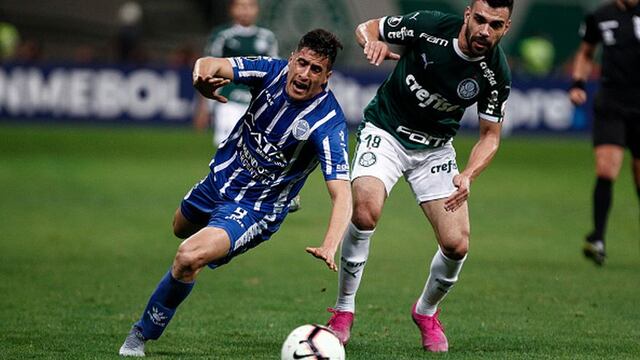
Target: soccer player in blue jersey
<point>293,124</point>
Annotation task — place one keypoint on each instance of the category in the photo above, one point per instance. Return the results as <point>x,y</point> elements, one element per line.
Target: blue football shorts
<point>247,228</point>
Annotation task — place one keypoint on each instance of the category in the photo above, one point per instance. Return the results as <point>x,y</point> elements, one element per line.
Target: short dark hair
<point>499,3</point>
<point>322,42</point>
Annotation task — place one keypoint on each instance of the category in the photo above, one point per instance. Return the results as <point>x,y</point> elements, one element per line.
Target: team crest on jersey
<point>394,21</point>
<point>468,88</point>
<point>367,159</point>
<point>301,129</point>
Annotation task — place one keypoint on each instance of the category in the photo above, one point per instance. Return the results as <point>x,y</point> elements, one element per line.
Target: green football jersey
<point>422,101</point>
<point>237,40</point>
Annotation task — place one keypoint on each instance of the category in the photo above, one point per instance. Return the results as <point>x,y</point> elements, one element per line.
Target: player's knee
<point>456,246</point>
<point>364,218</point>
<point>607,172</point>
<point>187,261</point>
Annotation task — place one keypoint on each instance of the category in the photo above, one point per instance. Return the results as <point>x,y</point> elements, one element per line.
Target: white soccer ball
<point>312,342</point>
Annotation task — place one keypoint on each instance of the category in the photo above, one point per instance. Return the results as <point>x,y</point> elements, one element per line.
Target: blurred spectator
<point>129,38</point>
<point>9,39</point>
<point>240,38</point>
<point>537,54</point>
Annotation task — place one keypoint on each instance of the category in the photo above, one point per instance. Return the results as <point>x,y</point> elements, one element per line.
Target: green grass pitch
<point>85,229</point>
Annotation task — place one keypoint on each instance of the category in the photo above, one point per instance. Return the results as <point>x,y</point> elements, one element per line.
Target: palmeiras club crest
<point>468,89</point>
<point>367,159</point>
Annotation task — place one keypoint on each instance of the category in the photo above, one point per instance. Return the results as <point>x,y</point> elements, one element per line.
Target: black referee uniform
<point>617,104</point>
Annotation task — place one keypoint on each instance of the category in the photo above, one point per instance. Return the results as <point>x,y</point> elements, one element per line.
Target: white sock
<point>444,273</point>
<point>354,254</point>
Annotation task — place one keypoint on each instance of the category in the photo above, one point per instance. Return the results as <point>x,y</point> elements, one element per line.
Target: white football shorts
<point>429,172</point>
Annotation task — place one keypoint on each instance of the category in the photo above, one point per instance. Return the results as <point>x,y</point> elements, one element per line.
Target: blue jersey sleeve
<point>330,141</point>
<point>257,71</point>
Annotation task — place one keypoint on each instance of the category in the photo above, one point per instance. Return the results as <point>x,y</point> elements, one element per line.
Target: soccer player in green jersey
<point>449,63</point>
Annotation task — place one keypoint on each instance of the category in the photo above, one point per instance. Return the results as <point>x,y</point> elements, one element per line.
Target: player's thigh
<point>369,195</point>
<point>432,173</point>
<point>452,229</point>
<point>182,227</point>
<point>378,155</point>
<point>245,227</point>
<point>196,208</point>
<point>609,136</point>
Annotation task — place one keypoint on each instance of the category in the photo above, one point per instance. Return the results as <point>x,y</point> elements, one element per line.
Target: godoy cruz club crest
<point>301,129</point>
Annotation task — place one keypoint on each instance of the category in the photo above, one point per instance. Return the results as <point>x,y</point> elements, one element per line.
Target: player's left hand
<point>463,184</point>
<point>324,254</point>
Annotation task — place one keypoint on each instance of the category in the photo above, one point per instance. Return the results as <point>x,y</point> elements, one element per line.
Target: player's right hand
<point>207,86</point>
<point>325,254</point>
<point>577,96</point>
<point>377,51</point>
<point>462,182</point>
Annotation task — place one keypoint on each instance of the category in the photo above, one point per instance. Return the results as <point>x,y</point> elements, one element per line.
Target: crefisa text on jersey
<point>488,73</point>
<point>401,34</point>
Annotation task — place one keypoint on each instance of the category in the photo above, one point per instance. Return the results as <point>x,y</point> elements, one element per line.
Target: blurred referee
<point>616,124</point>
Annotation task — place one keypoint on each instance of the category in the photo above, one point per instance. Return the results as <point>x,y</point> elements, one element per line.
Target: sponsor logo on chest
<point>427,99</point>
<point>267,150</point>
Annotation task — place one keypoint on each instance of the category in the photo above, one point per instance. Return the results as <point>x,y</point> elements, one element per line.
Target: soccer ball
<point>312,342</point>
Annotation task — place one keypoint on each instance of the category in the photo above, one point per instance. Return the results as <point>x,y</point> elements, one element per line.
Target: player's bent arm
<point>210,67</point>
<point>583,63</point>
<point>340,192</point>
<point>485,148</point>
<point>368,36</point>
<point>368,31</point>
<point>481,155</point>
<point>582,67</point>
<point>211,73</point>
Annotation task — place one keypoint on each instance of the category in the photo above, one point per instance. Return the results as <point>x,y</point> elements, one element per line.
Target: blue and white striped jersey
<point>278,142</point>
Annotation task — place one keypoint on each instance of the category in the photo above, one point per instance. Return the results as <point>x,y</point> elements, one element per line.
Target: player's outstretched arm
<point>368,36</point>
<point>582,66</point>
<point>340,192</point>
<point>481,155</point>
<point>209,74</point>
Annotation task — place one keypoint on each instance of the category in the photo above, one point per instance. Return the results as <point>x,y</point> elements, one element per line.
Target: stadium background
<point>97,150</point>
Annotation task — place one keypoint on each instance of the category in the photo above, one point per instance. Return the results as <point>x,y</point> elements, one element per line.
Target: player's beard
<point>470,38</point>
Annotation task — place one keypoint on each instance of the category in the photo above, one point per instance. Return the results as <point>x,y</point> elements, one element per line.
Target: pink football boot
<point>341,323</point>
<point>433,338</point>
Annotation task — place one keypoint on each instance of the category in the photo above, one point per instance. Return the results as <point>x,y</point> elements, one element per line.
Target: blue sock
<point>162,305</point>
